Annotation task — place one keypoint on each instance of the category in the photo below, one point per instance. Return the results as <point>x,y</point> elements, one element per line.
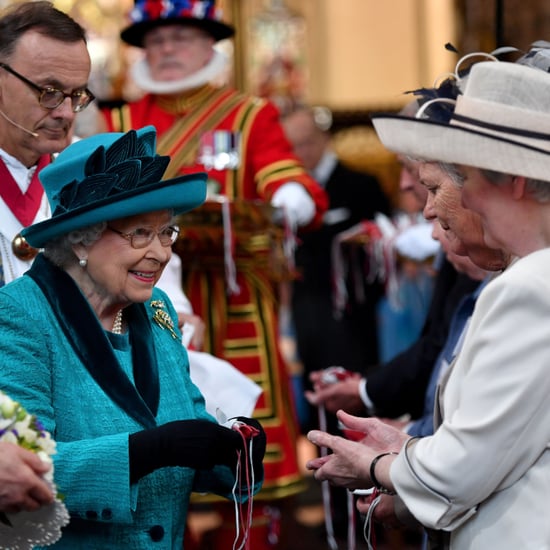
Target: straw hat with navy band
<point>111,176</point>
<point>501,122</point>
<point>149,14</point>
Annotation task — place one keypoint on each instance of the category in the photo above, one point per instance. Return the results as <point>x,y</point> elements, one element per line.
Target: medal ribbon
<point>23,205</point>
<point>181,141</point>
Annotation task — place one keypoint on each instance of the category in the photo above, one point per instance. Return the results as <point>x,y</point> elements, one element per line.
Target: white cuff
<point>365,396</point>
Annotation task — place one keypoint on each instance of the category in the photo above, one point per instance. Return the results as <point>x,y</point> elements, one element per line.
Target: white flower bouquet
<point>24,530</point>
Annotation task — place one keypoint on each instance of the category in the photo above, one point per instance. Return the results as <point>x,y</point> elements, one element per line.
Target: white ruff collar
<point>142,77</point>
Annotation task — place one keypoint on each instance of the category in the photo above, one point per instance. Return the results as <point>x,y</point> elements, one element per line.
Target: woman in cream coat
<point>483,478</point>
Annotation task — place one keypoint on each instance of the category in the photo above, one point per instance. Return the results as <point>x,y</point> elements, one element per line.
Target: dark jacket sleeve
<point>398,386</point>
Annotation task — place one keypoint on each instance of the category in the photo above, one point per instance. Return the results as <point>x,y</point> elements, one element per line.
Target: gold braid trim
<point>121,118</point>
<point>181,141</point>
<point>243,123</point>
<point>186,101</point>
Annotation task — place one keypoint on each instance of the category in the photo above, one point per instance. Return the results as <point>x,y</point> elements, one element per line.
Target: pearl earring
<point>83,262</point>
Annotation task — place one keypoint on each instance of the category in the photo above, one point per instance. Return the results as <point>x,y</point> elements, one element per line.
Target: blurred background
<point>352,56</point>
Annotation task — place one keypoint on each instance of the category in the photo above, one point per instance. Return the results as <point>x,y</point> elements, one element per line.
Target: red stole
<point>23,205</point>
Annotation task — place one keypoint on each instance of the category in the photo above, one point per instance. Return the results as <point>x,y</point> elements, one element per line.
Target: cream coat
<point>485,474</point>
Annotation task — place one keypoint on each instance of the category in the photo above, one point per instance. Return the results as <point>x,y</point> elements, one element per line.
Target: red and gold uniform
<point>241,327</point>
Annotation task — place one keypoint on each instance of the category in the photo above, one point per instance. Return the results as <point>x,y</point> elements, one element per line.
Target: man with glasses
<point>44,70</point>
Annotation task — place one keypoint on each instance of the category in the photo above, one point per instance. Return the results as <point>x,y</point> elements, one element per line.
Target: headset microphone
<point>33,134</point>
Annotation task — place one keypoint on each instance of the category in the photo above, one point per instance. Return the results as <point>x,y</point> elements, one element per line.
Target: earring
<point>83,262</point>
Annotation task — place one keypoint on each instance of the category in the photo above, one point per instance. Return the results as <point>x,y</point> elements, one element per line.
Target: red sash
<point>23,205</point>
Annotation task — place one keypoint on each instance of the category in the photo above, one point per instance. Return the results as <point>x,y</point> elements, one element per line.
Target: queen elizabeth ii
<point>93,349</point>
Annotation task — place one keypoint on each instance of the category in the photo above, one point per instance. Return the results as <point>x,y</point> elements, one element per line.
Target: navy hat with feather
<point>110,176</point>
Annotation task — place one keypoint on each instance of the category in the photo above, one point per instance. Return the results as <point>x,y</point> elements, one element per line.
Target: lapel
<point>89,341</point>
<point>439,410</point>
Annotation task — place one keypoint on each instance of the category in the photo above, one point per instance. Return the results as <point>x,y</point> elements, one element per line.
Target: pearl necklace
<point>117,324</point>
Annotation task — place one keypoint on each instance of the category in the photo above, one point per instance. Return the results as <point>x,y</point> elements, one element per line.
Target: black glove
<point>258,444</point>
<point>198,444</point>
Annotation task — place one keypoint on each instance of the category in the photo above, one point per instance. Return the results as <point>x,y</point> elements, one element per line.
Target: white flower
<point>25,431</point>
<point>48,476</point>
<point>46,443</point>
<point>10,437</point>
<point>7,406</point>
<point>5,423</point>
<point>19,427</point>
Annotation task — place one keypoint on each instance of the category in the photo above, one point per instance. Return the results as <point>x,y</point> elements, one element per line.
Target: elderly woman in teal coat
<point>93,349</point>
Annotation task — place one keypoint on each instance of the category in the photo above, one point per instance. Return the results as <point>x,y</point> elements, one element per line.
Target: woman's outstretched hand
<point>349,463</point>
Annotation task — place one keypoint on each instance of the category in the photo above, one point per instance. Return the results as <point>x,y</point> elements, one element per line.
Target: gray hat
<point>501,122</point>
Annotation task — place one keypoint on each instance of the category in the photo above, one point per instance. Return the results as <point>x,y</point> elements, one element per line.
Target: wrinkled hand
<point>339,395</point>
<point>396,423</point>
<point>22,486</point>
<point>349,464</point>
<point>384,511</point>
<point>379,435</point>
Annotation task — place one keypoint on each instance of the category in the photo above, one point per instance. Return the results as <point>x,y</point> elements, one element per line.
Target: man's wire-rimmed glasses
<point>50,97</point>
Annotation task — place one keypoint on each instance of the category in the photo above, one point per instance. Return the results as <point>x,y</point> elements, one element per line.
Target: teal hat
<point>107,177</point>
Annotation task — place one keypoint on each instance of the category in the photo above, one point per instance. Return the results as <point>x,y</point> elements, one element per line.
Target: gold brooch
<point>163,319</point>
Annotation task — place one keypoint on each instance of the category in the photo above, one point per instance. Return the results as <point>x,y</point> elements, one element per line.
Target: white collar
<point>142,76</point>
<point>321,173</point>
<point>21,174</point>
<point>11,161</point>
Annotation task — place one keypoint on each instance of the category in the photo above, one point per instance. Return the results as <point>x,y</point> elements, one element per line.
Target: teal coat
<point>44,354</point>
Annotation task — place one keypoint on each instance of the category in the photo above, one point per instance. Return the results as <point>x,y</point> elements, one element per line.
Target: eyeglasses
<point>142,236</point>
<point>51,98</point>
